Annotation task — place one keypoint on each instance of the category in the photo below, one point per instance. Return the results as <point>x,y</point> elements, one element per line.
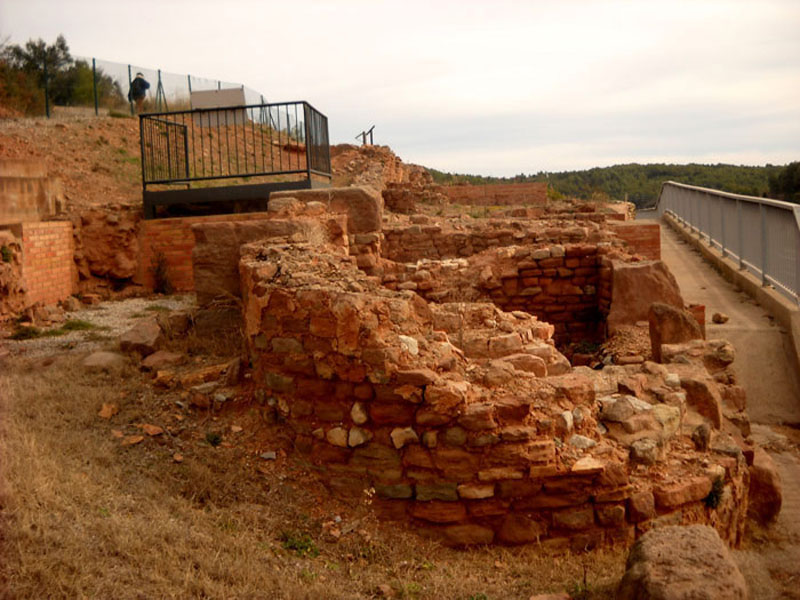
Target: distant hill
<point>640,183</point>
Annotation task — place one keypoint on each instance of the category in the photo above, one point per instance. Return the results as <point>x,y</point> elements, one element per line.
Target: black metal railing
<point>287,138</point>
<point>231,154</point>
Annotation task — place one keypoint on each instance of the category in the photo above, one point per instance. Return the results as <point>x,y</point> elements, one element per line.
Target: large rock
<point>681,563</point>
<point>670,325</point>
<point>635,287</point>
<point>216,253</point>
<point>362,205</point>
<point>766,495</point>
<point>143,338</point>
<point>104,361</point>
<point>107,243</point>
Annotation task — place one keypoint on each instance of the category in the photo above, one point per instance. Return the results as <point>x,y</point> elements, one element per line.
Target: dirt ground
<point>97,507</point>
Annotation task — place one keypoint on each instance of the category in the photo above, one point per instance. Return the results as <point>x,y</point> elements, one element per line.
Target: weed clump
<point>299,543</point>
<point>715,495</point>
<point>6,254</point>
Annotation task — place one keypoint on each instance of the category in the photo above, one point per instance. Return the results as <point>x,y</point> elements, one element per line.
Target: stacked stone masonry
<point>497,195</point>
<point>465,420</point>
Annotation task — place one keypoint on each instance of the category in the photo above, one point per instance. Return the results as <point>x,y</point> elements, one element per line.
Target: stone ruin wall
<point>497,194</point>
<point>467,422</point>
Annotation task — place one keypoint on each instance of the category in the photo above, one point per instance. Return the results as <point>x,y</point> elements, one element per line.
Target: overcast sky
<point>491,87</point>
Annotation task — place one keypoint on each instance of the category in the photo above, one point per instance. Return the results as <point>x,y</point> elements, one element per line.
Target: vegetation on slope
<point>640,184</point>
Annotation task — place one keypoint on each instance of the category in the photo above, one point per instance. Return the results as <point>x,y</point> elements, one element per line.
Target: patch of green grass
<point>157,308</point>
<point>25,333</point>
<point>299,543</point>
<point>6,254</point>
<point>22,332</point>
<point>78,325</point>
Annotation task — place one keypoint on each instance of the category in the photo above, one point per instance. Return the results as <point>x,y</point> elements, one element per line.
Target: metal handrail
<point>233,142</point>
<point>762,234</point>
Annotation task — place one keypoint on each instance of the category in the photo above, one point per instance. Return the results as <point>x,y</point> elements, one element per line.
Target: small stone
<point>587,466</point>
<point>359,413</point>
<point>132,440</point>
<point>271,455</point>
<point>410,344</point>
<point>701,436</point>
<point>236,429</point>
<point>565,421</point>
<point>582,442</point>
<point>430,439</point>
<point>720,318</point>
<point>108,411</point>
<point>358,436</point>
<point>403,435</point>
<point>673,380</point>
<point>152,430</point>
<point>178,458</point>
<point>337,436</point>
<point>117,434</point>
<point>644,451</point>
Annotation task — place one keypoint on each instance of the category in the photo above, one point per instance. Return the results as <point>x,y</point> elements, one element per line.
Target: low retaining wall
<point>641,238</point>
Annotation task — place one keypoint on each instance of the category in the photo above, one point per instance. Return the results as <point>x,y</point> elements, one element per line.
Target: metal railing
<point>763,235</point>
<point>232,153</point>
<point>286,138</point>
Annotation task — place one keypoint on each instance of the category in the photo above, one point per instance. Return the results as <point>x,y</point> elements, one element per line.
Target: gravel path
<point>110,319</point>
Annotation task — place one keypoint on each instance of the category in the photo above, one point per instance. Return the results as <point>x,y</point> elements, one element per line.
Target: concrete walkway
<point>763,347</point>
<point>770,559</point>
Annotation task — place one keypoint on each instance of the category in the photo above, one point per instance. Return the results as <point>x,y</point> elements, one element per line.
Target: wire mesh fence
<point>103,86</point>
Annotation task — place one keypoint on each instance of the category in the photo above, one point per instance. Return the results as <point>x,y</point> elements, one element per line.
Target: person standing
<point>138,91</point>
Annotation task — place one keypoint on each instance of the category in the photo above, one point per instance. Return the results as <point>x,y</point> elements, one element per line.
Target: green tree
<point>786,183</point>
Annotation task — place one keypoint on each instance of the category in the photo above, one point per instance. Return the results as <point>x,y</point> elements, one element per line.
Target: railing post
<point>739,234</point>
<point>708,224</point>
<point>307,119</point>
<point>763,212</point>
<point>722,226</point>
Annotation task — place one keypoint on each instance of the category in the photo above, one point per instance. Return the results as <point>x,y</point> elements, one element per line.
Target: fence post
<point>94,85</point>
<point>46,90</point>
<point>130,100</point>
<point>722,226</point>
<point>739,233</point>
<point>763,245</point>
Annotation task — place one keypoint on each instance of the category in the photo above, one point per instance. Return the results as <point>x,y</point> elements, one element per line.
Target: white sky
<point>492,87</point>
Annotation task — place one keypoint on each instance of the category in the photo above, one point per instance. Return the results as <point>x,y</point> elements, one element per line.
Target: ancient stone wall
<point>173,240</point>
<point>641,238</point>
<point>497,194</point>
<point>27,194</point>
<point>561,284</point>
<point>466,421</point>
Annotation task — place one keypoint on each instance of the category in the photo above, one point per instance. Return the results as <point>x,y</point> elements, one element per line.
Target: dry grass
<point>82,516</point>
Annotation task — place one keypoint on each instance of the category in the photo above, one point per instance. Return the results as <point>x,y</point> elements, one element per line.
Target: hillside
<point>637,183</point>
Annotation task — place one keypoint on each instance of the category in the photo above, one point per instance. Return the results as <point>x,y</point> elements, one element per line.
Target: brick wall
<point>173,238</point>
<point>47,261</point>
<point>641,237</point>
<point>498,194</point>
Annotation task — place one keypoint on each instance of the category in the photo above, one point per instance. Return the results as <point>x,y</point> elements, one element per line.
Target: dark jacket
<point>138,89</point>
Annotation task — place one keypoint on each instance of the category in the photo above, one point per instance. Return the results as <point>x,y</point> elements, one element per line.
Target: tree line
<point>26,70</point>
<point>641,184</point>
